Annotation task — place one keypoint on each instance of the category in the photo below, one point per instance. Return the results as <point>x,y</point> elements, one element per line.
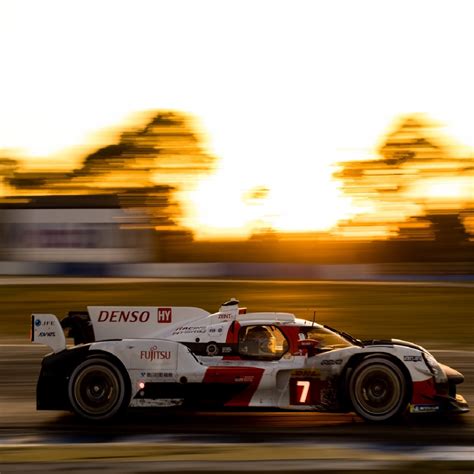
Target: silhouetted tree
<point>8,167</point>
<point>411,154</point>
<point>448,228</point>
<point>167,147</point>
<point>167,150</point>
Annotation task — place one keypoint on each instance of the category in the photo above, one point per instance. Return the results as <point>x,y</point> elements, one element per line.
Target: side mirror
<point>309,347</point>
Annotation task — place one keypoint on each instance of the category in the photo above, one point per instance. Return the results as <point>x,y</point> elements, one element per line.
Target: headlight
<point>435,368</point>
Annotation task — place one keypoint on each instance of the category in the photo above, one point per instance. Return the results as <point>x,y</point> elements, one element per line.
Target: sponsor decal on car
<point>39,323</point>
<point>215,329</point>
<point>157,375</point>
<point>305,373</point>
<point>154,354</point>
<point>190,330</point>
<point>331,362</point>
<point>226,316</point>
<point>164,315</point>
<point>118,316</point>
<point>424,408</point>
<point>412,358</point>
<point>47,334</point>
<point>245,379</point>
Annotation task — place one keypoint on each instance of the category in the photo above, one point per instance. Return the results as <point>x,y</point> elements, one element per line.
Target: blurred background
<point>141,200</point>
<point>213,133</point>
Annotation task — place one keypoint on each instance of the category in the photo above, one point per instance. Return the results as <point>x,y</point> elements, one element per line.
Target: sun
<point>223,206</point>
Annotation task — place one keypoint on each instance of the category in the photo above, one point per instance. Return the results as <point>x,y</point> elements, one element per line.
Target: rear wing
<point>102,323</point>
<point>46,329</point>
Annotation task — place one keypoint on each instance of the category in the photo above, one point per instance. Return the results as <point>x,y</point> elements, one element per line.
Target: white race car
<point>182,356</point>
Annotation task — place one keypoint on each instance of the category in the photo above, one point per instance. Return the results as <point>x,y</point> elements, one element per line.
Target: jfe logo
<point>164,315</point>
<point>38,323</point>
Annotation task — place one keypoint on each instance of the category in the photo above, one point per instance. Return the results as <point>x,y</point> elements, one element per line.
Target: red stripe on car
<point>423,392</point>
<point>236,375</point>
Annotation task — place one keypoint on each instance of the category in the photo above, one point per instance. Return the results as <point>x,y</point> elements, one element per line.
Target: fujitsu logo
<point>164,315</point>
<point>154,354</point>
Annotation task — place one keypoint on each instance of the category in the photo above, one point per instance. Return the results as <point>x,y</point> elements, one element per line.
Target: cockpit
<point>262,342</point>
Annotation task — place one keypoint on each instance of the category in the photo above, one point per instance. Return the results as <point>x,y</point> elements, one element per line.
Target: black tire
<point>378,389</point>
<point>98,390</point>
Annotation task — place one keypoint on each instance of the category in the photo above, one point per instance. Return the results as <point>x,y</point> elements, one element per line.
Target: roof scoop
<point>229,309</point>
<point>227,304</point>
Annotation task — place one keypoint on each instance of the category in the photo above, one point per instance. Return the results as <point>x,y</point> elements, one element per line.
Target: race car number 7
<point>305,389</point>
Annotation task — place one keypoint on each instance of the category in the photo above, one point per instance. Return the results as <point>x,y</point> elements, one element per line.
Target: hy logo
<point>164,315</point>
<point>37,322</point>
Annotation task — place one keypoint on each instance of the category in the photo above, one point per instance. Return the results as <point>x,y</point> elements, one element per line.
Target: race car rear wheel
<point>97,389</point>
<point>378,389</point>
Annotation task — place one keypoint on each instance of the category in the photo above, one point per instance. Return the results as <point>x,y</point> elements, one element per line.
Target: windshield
<point>326,338</point>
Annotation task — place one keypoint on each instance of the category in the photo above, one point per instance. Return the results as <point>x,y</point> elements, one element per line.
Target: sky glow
<point>282,89</point>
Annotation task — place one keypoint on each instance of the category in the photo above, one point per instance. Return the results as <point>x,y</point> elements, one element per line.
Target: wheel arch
<point>96,358</point>
<point>354,361</point>
<point>98,353</point>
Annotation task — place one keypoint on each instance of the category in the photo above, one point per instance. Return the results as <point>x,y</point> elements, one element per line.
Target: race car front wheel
<point>378,389</point>
<point>97,389</point>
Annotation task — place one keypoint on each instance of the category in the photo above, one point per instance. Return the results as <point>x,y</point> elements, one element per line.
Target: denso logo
<point>154,354</point>
<point>123,316</point>
<point>164,315</point>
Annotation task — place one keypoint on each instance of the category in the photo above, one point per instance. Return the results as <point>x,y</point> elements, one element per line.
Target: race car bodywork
<point>180,356</point>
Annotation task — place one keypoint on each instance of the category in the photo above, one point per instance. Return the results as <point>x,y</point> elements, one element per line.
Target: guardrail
<point>356,272</point>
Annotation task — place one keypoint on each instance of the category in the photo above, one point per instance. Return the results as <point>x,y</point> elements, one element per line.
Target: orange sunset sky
<point>282,90</point>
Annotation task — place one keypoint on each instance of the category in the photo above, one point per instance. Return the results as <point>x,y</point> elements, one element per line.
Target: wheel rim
<point>96,390</point>
<point>378,390</point>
